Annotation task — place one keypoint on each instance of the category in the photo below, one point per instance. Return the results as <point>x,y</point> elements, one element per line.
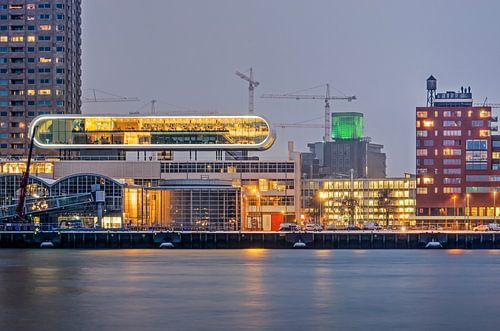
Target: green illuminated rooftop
<point>347,125</point>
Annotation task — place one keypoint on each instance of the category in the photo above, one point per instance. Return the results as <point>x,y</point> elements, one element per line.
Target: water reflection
<point>248,289</point>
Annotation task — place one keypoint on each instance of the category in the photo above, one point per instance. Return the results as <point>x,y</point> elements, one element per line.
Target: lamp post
<point>467,197</point>
<point>494,205</point>
<point>454,198</point>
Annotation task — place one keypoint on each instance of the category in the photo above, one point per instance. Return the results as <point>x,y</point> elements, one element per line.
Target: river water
<point>249,289</point>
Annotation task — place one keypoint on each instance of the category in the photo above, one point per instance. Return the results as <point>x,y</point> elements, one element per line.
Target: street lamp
<point>322,195</point>
<point>468,209</point>
<point>494,205</point>
<point>454,198</point>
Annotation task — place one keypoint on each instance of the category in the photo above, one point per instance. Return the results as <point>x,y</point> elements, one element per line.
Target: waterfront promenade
<point>239,240</point>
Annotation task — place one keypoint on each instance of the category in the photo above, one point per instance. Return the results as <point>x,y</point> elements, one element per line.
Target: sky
<point>184,53</point>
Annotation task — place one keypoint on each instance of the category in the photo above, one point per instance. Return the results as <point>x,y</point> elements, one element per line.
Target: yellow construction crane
<point>252,84</point>
<point>327,97</point>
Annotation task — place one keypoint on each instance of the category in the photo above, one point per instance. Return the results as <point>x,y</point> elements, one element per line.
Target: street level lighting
<point>454,198</point>
<point>322,195</point>
<point>468,209</point>
<point>494,205</point>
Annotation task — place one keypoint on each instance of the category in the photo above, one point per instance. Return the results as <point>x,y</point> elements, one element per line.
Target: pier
<point>240,240</point>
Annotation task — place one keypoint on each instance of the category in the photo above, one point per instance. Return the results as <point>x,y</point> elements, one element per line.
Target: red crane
<point>24,182</point>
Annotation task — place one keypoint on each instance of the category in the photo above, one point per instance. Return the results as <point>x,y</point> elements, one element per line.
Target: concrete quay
<point>239,240</point>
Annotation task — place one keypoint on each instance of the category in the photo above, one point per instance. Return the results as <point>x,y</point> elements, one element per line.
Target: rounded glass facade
<point>152,132</point>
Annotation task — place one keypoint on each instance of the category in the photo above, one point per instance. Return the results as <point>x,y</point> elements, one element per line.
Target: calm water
<point>249,289</point>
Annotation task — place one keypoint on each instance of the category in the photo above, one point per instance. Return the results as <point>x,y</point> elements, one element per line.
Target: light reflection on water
<point>248,289</point>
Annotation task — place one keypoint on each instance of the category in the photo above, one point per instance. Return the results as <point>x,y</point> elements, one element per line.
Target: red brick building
<point>457,160</point>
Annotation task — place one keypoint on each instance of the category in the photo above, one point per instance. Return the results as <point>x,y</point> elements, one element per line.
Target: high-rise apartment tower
<point>40,60</point>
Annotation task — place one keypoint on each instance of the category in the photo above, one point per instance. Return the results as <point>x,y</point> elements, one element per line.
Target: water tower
<point>431,90</point>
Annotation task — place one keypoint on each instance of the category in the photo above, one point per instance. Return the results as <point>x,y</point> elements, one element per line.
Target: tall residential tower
<point>40,61</point>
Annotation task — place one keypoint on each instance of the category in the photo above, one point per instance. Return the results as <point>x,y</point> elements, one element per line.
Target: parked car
<point>481,228</point>
<point>313,227</point>
<point>289,227</point>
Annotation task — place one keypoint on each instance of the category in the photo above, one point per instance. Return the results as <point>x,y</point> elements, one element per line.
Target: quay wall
<point>239,240</point>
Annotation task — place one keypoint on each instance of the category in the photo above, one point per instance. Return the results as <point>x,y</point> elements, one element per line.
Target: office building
<point>349,149</point>
<point>457,160</point>
<point>387,202</point>
<point>40,49</point>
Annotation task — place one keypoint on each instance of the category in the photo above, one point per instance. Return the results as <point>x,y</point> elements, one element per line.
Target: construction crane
<point>299,125</point>
<point>109,97</point>
<point>252,84</point>
<point>327,97</point>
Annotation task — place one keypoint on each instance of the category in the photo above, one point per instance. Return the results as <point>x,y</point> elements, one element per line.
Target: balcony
<point>494,119</point>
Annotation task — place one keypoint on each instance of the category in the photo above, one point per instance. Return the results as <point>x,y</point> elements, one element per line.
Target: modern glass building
<point>192,205</point>
<point>347,125</point>
<point>152,132</point>
<point>342,202</point>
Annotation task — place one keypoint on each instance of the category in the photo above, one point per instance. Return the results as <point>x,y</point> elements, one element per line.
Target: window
<point>60,6</point>
<point>452,180</point>
<point>45,81</point>
<point>428,123</point>
<point>421,152</point>
<point>44,38</point>
<point>427,180</point>
<point>45,27</point>
<point>421,171</point>
<point>452,123</point>
<point>44,60</point>
<point>452,132</point>
<point>4,39</point>
<point>452,161</point>
<point>44,49</point>
<point>484,114</point>
<point>476,166</point>
<point>452,190</point>
<point>421,114</point>
<point>421,133</point>
<point>44,92</point>
<point>476,156</point>
<point>60,38</point>
<point>17,39</point>
<point>4,82</point>
<point>477,123</point>
<point>421,190</point>
<point>452,171</point>
<point>428,143</point>
<point>448,142</point>
<point>44,70</point>
<point>451,152</point>
<point>477,144</point>
<point>484,133</point>
<point>44,17</point>
<point>428,162</point>
<point>44,5</point>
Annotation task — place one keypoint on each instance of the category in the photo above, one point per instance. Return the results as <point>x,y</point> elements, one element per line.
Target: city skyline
<point>188,53</point>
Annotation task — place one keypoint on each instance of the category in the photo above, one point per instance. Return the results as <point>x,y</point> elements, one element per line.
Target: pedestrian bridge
<point>48,205</point>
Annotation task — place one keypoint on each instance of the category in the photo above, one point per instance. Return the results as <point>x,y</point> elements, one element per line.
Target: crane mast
<point>252,84</point>
<point>327,97</point>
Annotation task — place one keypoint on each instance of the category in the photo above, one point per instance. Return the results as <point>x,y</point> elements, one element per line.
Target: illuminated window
<point>45,27</point>
<point>4,39</point>
<point>451,152</point>
<point>31,39</point>
<point>30,6</point>
<point>45,60</point>
<point>428,123</point>
<point>452,123</point>
<point>496,155</point>
<point>428,180</point>
<point>484,113</point>
<point>421,114</point>
<point>422,190</point>
<point>17,39</point>
<point>44,92</point>
<point>484,133</point>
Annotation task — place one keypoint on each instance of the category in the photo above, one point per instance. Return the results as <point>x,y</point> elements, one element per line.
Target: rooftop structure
<point>347,125</point>
<point>152,132</point>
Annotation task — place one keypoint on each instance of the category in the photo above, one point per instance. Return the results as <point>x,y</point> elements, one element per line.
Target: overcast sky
<point>184,54</point>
